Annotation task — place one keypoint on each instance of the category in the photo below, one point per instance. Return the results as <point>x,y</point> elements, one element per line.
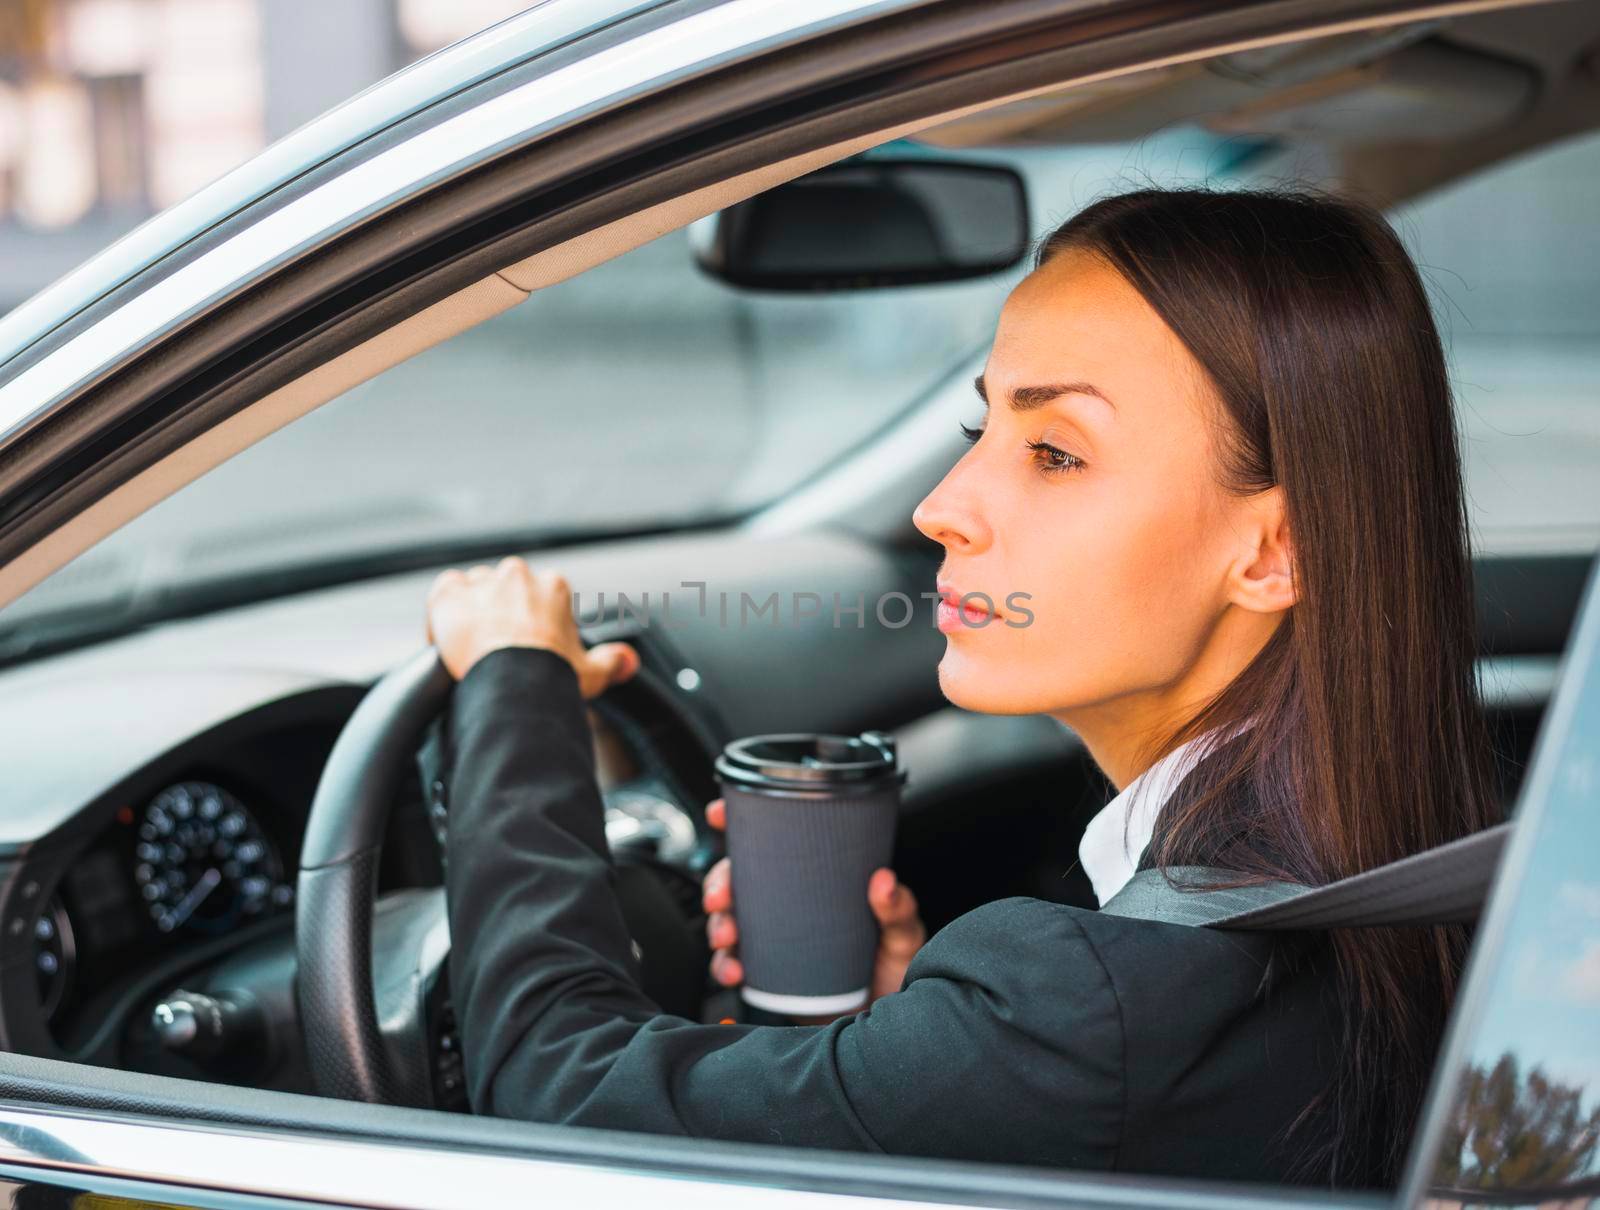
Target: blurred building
<point>111,110</point>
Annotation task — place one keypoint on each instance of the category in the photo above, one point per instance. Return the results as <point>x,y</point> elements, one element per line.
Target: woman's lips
<point>952,615</point>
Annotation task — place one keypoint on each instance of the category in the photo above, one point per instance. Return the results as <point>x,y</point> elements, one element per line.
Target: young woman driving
<point>1218,452</point>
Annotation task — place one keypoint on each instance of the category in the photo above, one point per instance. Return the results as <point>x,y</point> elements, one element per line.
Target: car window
<point>640,393</point>
<point>1520,314</point>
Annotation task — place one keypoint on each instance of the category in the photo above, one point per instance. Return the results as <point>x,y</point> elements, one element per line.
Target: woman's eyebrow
<point>1026,399</point>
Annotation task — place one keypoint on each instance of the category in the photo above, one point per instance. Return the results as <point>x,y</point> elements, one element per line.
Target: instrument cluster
<point>189,862</point>
<point>203,862</point>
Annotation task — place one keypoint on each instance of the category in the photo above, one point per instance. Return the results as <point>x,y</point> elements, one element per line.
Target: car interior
<point>184,661</point>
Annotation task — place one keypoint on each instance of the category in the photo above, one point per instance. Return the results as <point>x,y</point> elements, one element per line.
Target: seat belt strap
<point>1443,885</point>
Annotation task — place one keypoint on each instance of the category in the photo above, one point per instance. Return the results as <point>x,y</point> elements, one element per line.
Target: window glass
<point>640,393</point>
<point>1520,313</point>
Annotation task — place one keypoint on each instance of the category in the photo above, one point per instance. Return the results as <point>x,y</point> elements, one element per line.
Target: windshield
<point>643,394</point>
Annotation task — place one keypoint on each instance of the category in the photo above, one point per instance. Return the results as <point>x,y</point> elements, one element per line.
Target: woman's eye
<point>1052,459</point>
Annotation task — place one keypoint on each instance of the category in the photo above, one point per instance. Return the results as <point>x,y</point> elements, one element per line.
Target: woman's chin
<point>999,687</point>
<point>985,687</point>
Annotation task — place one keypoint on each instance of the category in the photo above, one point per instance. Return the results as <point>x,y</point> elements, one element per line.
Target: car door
<point>407,226</point>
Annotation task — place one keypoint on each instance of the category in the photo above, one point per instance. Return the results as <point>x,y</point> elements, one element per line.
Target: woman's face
<point>1123,541</point>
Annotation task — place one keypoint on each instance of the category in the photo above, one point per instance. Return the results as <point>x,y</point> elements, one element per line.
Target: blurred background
<point>643,393</point>
<point>111,110</point>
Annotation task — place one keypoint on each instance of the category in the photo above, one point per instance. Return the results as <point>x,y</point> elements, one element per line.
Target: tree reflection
<point>1511,1131</point>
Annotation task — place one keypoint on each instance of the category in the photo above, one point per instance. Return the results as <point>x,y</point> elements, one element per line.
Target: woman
<point>1219,454</point>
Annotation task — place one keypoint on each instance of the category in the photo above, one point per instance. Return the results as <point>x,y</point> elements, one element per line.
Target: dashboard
<point>187,857</point>
<point>197,857</point>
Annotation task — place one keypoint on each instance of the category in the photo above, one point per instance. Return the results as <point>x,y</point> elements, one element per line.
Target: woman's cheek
<point>1103,607</point>
<point>1081,647</point>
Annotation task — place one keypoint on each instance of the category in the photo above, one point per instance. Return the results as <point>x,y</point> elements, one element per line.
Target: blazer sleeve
<point>1004,1042</point>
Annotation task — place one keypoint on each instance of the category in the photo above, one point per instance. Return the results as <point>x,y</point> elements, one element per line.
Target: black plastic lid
<point>808,760</point>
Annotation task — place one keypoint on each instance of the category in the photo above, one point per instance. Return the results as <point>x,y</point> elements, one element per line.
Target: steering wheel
<point>370,972</point>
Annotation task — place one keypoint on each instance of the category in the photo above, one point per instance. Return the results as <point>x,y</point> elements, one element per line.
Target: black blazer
<point>1025,1032</point>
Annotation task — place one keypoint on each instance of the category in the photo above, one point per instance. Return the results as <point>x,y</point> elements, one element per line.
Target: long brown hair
<point>1313,326</point>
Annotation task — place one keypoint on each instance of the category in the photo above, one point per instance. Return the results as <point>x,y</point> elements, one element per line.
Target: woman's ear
<point>1262,577</point>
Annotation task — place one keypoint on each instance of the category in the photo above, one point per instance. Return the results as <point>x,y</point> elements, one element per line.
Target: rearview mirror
<point>865,224</point>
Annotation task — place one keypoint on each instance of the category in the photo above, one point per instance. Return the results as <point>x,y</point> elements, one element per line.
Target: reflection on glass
<point>1512,1130</point>
<point>1522,1127</point>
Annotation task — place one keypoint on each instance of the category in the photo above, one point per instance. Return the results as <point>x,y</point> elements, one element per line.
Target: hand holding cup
<point>901,929</point>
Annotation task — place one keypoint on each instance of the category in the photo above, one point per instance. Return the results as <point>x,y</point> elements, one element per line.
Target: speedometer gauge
<point>203,861</point>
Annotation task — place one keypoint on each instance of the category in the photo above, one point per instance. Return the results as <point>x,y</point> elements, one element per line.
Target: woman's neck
<point>1123,733</point>
<point>1121,741</point>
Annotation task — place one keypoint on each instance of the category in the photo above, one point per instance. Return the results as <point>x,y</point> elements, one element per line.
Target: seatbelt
<point>1444,885</point>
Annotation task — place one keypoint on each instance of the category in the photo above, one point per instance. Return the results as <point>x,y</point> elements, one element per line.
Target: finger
<point>717,814</point>
<point>902,932</point>
<point>631,661</point>
<point>613,662</point>
<point>515,567</point>
<point>726,969</point>
<point>479,572</point>
<point>881,888</point>
<point>445,579</point>
<point>721,930</point>
<point>902,940</point>
<point>898,905</point>
<point>716,894</point>
<point>604,665</point>
<point>553,582</point>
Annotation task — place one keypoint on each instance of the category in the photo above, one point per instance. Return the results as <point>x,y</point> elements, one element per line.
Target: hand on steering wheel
<point>471,613</point>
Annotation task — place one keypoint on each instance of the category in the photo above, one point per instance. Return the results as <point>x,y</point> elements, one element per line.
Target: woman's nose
<point>948,516</point>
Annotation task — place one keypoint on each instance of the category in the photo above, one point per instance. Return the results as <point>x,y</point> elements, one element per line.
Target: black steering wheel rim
<point>338,883</point>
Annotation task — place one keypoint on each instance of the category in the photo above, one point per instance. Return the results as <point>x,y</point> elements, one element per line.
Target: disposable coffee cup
<point>809,817</point>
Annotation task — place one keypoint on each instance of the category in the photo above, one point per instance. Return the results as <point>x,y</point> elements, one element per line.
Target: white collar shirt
<point>1119,832</point>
